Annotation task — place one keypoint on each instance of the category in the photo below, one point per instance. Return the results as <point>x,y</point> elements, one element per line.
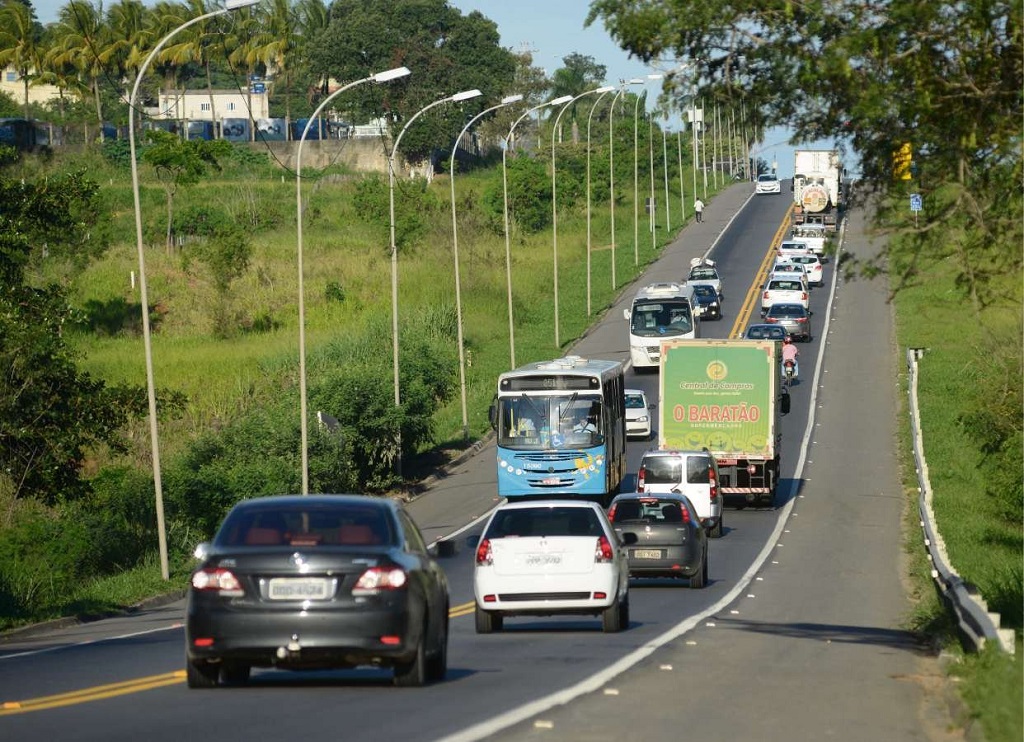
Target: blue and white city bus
<point>561,429</point>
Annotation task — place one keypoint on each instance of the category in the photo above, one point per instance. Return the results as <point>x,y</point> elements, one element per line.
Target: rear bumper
<point>303,639</point>
<point>540,596</point>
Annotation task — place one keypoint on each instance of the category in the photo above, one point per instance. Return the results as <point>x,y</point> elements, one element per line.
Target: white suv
<point>691,473</point>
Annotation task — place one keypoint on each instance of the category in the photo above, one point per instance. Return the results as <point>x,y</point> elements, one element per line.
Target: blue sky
<point>551,30</point>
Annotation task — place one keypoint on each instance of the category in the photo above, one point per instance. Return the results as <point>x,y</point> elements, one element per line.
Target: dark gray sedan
<point>316,582</point>
<point>670,540</point>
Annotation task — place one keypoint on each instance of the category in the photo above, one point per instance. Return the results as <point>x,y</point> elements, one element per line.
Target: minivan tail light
<point>603,553</point>
<point>611,512</point>
<point>484,556</point>
<point>713,481</point>
<point>640,477</point>
<point>804,296</point>
<point>686,510</point>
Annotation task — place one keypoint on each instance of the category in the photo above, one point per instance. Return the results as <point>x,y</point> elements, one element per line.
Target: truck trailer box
<point>725,396</point>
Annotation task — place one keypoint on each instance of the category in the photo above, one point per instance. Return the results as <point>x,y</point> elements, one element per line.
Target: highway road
<point>796,636</point>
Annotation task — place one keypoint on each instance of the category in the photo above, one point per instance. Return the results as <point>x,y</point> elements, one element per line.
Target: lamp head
<point>636,81</point>
<point>559,101</point>
<point>655,76</point>
<point>605,89</point>
<point>511,99</point>
<point>235,4</point>
<point>394,74</point>
<point>465,95</point>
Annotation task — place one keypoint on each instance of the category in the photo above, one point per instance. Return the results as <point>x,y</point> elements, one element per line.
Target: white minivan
<point>691,473</point>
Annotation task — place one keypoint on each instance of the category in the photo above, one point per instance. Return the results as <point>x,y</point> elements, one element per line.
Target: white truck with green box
<point>725,396</point>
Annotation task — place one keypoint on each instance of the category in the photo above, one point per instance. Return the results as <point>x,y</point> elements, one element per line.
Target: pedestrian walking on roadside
<point>698,208</point>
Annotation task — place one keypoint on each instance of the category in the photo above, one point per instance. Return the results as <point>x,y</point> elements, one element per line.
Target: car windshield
<point>635,402</point>
<point>703,274</point>
<point>703,291</point>
<point>342,524</point>
<point>786,310</point>
<point>766,178</point>
<point>646,510</point>
<point>765,332</point>
<point>544,521</point>
<point>541,422</point>
<point>669,317</point>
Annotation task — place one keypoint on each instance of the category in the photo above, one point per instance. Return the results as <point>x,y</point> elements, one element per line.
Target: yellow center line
<point>137,685</point>
<point>754,292</point>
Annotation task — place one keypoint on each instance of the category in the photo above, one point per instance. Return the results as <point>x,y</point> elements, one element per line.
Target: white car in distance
<point>551,557</point>
<point>638,414</point>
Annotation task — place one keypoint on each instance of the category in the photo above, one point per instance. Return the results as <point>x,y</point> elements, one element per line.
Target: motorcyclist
<point>790,353</point>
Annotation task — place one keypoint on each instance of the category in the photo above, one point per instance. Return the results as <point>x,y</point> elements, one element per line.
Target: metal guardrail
<point>977,624</point>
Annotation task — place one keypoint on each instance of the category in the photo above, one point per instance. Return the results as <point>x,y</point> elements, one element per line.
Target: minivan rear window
<point>668,469</point>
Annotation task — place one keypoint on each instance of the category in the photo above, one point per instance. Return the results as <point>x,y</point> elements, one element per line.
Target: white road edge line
<point>503,721</point>
<point>86,643</point>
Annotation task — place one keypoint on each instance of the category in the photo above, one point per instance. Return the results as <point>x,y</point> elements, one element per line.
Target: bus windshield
<point>542,422</point>
<point>667,317</point>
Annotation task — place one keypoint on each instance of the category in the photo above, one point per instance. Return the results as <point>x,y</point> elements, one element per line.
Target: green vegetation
<point>971,428</point>
<point>225,343</point>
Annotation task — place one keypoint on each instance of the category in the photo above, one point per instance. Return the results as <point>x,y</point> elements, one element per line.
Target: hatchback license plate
<point>302,588</point>
<point>647,553</point>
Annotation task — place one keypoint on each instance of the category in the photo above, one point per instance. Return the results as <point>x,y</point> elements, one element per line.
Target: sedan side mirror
<point>625,314</point>
<point>202,551</point>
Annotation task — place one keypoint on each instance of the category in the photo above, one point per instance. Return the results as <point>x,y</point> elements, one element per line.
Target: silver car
<point>795,318</point>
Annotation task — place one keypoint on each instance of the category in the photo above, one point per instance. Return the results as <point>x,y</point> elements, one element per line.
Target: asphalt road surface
<point>796,637</point>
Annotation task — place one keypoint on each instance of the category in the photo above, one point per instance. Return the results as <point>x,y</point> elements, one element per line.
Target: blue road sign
<point>915,201</point>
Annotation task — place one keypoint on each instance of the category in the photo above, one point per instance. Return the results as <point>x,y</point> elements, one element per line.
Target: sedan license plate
<point>298,588</point>
<point>647,553</point>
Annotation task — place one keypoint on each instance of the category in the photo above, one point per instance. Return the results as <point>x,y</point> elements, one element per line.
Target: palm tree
<point>247,45</point>
<point>21,42</point>
<point>284,22</point>
<point>130,41</point>
<point>199,43</point>
<point>81,40</point>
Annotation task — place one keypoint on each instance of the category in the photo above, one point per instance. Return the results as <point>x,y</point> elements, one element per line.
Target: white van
<point>692,473</point>
<point>659,312</point>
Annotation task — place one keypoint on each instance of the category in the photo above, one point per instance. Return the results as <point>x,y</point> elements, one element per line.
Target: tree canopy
<point>944,77</point>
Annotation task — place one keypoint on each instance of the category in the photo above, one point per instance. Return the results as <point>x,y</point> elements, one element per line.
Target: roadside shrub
<point>529,196</point>
<point>121,516</point>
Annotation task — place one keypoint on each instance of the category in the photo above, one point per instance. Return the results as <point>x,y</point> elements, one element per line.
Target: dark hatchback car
<point>316,582</point>
<point>670,540</point>
<point>707,301</point>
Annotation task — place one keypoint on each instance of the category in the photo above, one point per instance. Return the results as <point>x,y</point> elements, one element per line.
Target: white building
<point>195,105</point>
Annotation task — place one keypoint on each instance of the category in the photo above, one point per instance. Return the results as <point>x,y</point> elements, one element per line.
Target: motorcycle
<point>789,371</point>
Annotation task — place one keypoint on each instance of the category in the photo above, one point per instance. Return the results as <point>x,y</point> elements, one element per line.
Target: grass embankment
<point>962,371</point>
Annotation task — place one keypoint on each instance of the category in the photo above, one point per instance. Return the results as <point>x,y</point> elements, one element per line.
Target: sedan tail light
<point>611,512</point>
<point>640,477</point>
<point>603,553</point>
<point>378,579</point>
<point>483,553</point>
<point>803,296</point>
<point>219,580</point>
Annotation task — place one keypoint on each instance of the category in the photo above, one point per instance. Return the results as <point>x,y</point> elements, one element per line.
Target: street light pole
<point>611,168</point>
<point>303,403</point>
<point>508,242</point>
<point>464,95</point>
<point>554,199</point>
<point>143,293</point>
<point>636,173</point>
<point>590,119</point>
<point>455,249</point>
<point>664,163</point>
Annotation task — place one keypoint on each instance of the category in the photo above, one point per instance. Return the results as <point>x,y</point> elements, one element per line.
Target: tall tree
<point>445,51</point>
<point>81,39</point>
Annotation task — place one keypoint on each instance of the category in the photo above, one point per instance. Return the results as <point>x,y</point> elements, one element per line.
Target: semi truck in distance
<point>725,396</point>
<point>818,188</point>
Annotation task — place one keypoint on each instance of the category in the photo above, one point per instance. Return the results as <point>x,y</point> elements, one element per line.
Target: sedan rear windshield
<point>786,310</point>
<point>545,521</point>
<point>785,286</point>
<point>333,525</point>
